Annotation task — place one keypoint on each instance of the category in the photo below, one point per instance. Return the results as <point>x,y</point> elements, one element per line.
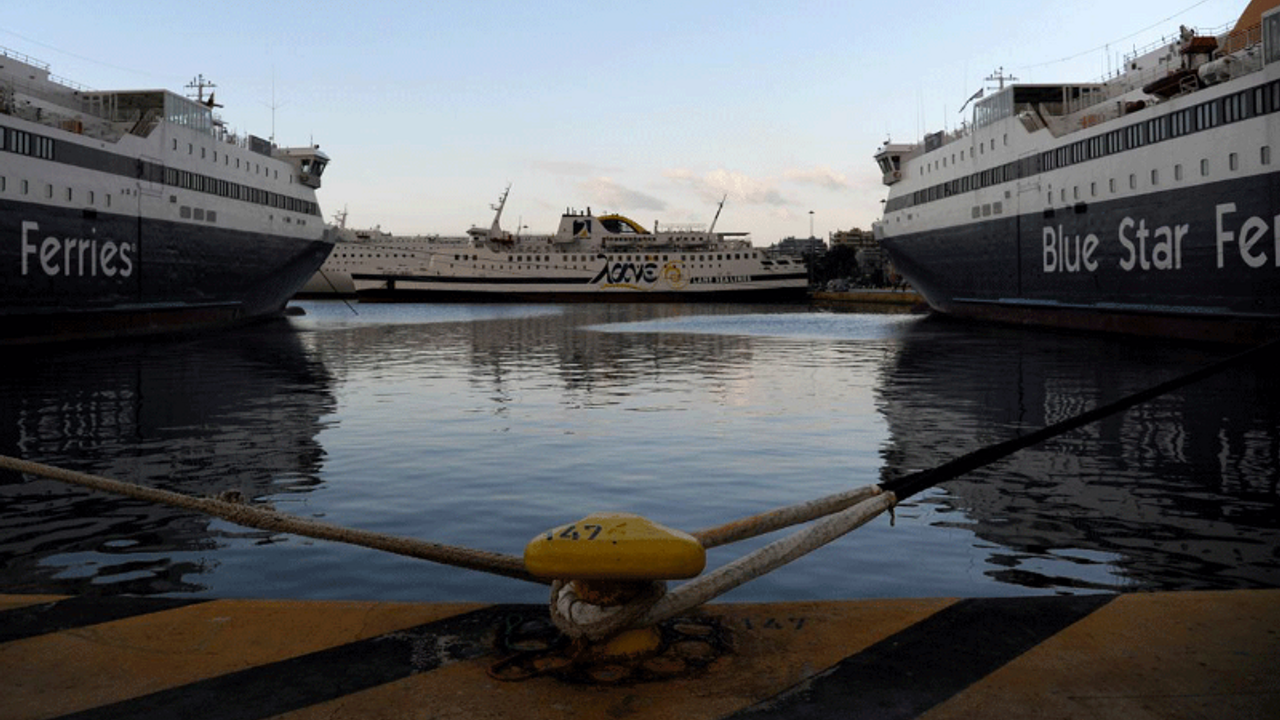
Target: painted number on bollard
<point>571,533</point>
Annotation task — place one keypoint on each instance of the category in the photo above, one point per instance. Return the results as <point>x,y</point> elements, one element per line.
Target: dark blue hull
<point>1198,263</point>
<point>82,274</point>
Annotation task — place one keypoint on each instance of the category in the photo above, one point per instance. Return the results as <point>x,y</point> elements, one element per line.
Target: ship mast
<point>711,230</point>
<point>494,230</point>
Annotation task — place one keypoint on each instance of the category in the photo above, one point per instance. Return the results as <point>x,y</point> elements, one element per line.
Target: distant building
<point>799,246</point>
<point>856,238</point>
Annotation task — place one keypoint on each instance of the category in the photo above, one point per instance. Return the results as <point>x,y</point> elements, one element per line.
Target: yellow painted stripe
<point>1145,655</point>
<point>89,666</point>
<point>775,647</point>
<point>9,602</point>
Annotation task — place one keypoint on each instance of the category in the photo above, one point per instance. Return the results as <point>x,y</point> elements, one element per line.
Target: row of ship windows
<point>1233,164</point>
<point>90,198</point>
<point>1253,102</point>
<point>24,143</point>
<point>620,258</point>
<point>186,212</point>
<point>21,142</point>
<point>942,163</point>
<point>23,187</point>
<point>225,188</point>
<point>226,160</point>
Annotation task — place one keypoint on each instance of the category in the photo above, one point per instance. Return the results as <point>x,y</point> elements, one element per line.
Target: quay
<point>871,296</point>
<point>1130,656</point>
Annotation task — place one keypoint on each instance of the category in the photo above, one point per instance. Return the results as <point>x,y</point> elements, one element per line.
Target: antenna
<point>198,83</point>
<point>1000,77</point>
<point>273,104</point>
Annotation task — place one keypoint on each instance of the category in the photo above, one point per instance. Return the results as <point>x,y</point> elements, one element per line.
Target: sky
<point>656,110</point>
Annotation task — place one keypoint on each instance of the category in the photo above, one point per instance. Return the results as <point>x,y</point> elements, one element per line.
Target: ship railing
<point>681,227</point>
<point>21,57</point>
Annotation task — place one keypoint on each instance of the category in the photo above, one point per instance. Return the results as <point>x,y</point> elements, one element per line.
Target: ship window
<point>199,213</point>
<point>1133,181</point>
<point>1075,192</point>
<point>1093,189</point>
<point>26,187</point>
<point>3,183</point>
<point>1177,172</point>
<point>108,199</point>
<point>1204,167</point>
<point>997,208</point>
<point>184,212</point>
<point>68,194</point>
<point>1155,176</point>
<point>1112,185</point>
<point>986,209</point>
<point>211,216</point>
<point>1265,155</point>
<point>1233,162</point>
<point>48,190</point>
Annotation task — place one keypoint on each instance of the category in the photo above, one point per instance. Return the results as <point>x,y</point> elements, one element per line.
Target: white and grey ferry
<point>1146,203</point>
<point>135,212</point>
<point>589,258</point>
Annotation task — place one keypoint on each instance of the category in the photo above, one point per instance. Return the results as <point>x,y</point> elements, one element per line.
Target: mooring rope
<point>246,515</point>
<point>843,513</point>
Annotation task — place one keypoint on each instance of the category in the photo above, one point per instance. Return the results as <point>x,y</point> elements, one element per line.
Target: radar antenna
<point>999,77</point>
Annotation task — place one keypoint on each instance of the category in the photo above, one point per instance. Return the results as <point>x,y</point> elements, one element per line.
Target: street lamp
<point>810,223</point>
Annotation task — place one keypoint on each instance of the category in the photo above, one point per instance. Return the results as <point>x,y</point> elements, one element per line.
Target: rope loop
<point>578,618</point>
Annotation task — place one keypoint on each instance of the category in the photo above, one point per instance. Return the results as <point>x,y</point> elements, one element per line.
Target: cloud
<point>718,183</point>
<point>603,191</point>
<point>822,176</point>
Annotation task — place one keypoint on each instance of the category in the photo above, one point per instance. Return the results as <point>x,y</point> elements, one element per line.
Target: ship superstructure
<point>133,212</point>
<point>1146,203</point>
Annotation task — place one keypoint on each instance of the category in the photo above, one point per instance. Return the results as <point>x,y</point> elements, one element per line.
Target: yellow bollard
<point>615,546</point>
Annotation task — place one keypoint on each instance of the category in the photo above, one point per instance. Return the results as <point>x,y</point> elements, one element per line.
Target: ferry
<point>134,212</point>
<point>1147,203</point>
<point>601,258</point>
<point>358,249</point>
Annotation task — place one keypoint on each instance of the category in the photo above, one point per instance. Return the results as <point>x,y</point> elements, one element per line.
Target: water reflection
<point>236,411</point>
<point>1177,493</point>
<point>481,425</point>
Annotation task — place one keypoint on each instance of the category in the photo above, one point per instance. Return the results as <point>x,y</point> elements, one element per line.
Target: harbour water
<point>484,425</point>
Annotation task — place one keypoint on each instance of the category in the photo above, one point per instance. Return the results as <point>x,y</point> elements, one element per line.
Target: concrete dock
<point>906,298</point>
<point>1132,656</point>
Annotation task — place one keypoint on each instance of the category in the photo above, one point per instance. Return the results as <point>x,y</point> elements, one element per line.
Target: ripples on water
<point>482,425</point>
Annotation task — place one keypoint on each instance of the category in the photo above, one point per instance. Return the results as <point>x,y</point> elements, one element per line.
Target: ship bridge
<point>889,157</point>
<point>309,163</point>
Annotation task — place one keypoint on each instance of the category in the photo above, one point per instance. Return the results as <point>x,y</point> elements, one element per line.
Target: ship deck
<point>1141,655</point>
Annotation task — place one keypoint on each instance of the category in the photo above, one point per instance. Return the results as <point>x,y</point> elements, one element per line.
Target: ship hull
<point>1193,263</point>
<point>585,288</point>
<point>71,274</point>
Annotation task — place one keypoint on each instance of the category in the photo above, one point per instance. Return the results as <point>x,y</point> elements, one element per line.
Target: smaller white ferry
<point>589,258</point>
